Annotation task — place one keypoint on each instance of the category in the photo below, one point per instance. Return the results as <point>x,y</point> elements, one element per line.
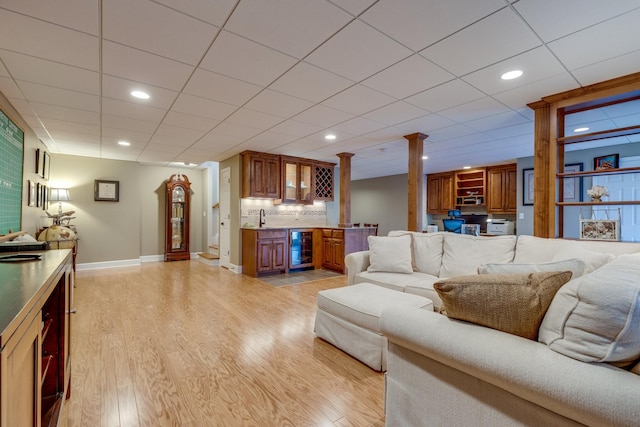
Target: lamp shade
<point>59,195</point>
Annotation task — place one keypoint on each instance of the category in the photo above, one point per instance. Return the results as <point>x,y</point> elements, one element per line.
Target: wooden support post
<point>345,189</point>
<point>544,172</point>
<point>415,181</point>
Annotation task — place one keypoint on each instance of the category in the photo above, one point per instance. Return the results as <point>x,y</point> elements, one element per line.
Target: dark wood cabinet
<point>338,243</point>
<point>261,175</point>
<point>440,192</point>
<point>35,362</point>
<point>297,181</point>
<point>264,251</point>
<point>178,201</point>
<point>501,189</point>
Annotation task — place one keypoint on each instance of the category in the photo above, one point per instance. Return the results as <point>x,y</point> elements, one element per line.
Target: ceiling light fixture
<point>124,143</point>
<point>583,129</point>
<point>140,94</point>
<point>330,137</point>
<point>466,167</point>
<point>425,157</point>
<point>510,75</point>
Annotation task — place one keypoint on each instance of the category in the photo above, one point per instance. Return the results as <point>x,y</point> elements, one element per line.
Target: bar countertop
<point>24,284</point>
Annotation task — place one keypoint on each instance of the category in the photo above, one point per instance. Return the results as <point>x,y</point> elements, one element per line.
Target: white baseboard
<point>152,258</point>
<point>108,264</point>
<point>235,268</point>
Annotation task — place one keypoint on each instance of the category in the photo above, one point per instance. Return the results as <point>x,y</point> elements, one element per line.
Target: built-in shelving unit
<point>470,187</point>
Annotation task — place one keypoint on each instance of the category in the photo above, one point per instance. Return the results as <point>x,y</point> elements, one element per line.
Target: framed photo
<point>106,191</point>
<point>45,197</point>
<point>609,161</point>
<point>527,187</point>
<point>38,195</point>
<point>46,165</point>
<point>600,229</point>
<point>573,186</point>
<point>38,156</point>
<point>31,193</point>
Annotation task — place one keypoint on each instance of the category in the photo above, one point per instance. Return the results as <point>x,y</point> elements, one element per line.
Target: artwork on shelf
<point>600,229</point>
<point>610,161</point>
<point>31,193</point>
<point>106,191</point>
<point>527,187</point>
<point>573,186</point>
<point>46,165</point>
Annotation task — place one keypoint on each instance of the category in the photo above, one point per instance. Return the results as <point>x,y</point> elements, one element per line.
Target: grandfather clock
<point>178,199</point>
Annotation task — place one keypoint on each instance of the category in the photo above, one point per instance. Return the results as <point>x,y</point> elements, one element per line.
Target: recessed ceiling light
<point>466,167</point>
<point>330,137</point>
<point>510,75</point>
<point>140,94</point>
<point>124,143</point>
<point>425,157</point>
<point>584,129</point>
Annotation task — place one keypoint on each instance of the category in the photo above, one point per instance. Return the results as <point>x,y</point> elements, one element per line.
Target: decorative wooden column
<point>415,187</point>
<point>345,189</point>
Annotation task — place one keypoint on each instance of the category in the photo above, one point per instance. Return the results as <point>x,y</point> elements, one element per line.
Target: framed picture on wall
<point>46,165</point>
<point>31,193</point>
<point>38,195</point>
<point>573,186</point>
<point>38,160</point>
<point>527,187</point>
<point>610,161</point>
<point>106,191</point>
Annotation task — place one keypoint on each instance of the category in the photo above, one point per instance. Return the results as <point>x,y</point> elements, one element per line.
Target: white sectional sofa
<point>443,371</point>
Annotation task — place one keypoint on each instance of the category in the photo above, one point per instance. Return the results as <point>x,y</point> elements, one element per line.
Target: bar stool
<point>372,225</point>
<point>357,224</point>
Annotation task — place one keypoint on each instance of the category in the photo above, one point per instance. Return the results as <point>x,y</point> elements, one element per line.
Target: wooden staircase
<point>212,257</point>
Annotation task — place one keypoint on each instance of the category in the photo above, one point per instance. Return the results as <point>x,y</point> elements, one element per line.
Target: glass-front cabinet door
<point>177,222</point>
<point>297,185</point>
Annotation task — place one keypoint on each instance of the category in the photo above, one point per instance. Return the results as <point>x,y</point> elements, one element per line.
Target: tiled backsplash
<point>282,215</point>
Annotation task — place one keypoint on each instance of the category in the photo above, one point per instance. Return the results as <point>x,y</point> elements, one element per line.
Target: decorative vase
<point>596,199</point>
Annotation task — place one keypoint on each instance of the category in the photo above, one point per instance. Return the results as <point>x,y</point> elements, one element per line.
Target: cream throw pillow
<point>513,303</point>
<point>390,254</point>
<point>575,266</point>
<point>596,317</point>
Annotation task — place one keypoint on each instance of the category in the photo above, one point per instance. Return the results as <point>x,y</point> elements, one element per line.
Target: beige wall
<point>133,226</point>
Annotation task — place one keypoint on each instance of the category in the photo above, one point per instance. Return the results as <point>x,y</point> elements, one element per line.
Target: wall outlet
<point>521,215</point>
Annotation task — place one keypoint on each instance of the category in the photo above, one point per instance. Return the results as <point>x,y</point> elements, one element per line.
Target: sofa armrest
<point>355,263</point>
<point>590,393</point>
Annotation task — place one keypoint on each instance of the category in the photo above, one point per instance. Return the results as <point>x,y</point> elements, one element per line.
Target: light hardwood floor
<point>186,344</point>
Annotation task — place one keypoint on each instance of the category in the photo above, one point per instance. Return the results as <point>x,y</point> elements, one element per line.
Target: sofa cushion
<point>592,259</point>
<point>575,266</point>
<point>396,281</point>
<point>427,252</point>
<point>540,249</point>
<point>390,254</point>
<point>595,318</point>
<point>513,303</point>
<point>463,254</point>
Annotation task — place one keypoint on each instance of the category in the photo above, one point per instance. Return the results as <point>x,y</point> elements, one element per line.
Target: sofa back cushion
<point>595,318</point>
<point>463,254</point>
<point>390,254</point>
<point>427,252</point>
<point>575,266</point>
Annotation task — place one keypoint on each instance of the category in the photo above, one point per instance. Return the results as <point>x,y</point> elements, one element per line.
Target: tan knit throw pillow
<point>513,303</point>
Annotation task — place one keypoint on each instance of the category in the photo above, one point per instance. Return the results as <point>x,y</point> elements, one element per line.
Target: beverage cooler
<point>301,244</point>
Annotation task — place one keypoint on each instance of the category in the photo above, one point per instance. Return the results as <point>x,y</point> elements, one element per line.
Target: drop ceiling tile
<point>608,69</point>
<point>86,138</point>
<point>120,122</point>
<point>231,129</point>
<point>358,100</point>
<point>254,119</point>
<point>156,33</point>
<point>357,126</point>
<point>54,96</point>
<point>311,83</point>
<point>243,59</point>
<point>215,12</point>
<point>63,113</point>
<point>445,96</point>
<point>120,89</point>
<point>480,108</point>
<point>408,77</point>
<point>53,42</point>
<point>296,128</point>
<point>480,45</point>
<point>132,110</point>
<point>523,95</point>
<point>322,116</point>
<point>189,121</point>
<point>131,64</point>
<point>9,88</point>
<point>354,7</point>
<point>294,27</point>
<point>418,23</point>
<point>84,17</point>
<point>425,124</point>
<point>3,70</point>
<point>395,113</point>
<point>83,150</point>
<point>552,19</point>
<point>501,120</point>
<point>444,135</point>
<point>599,42</point>
<point>179,136</point>
<point>357,52</point>
<point>137,139</point>
<point>267,141</point>
<point>514,131</point>
<point>202,107</point>
<point>278,104</point>
<point>220,88</point>
<point>536,64</point>
<point>31,69</point>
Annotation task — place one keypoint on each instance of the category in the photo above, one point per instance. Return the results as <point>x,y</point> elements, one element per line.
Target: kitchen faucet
<point>262,216</point>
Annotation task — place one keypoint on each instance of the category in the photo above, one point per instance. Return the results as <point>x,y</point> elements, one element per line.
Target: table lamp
<point>59,195</point>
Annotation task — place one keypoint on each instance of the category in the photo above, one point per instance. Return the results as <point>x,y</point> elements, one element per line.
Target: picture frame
<point>46,165</point>
<point>610,161</point>
<point>106,191</point>
<point>527,187</point>
<point>38,195</point>
<point>38,156</point>
<point>45,197</point>
<point>600,229</point>
<point>573,186</point>
<point>31,193</point>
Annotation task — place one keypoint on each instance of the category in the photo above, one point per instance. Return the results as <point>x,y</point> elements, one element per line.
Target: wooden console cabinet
<point>264,251</point>
<point>340,242</point>
<point>35,329</point>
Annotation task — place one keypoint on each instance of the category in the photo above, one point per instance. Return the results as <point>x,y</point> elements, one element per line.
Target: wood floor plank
<point>187,344</point>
